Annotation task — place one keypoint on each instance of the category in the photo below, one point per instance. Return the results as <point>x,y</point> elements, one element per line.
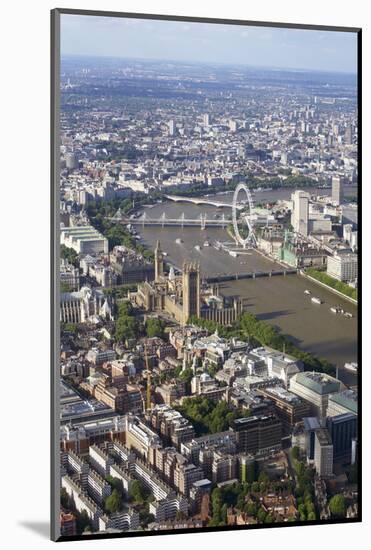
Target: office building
<point>289,408</point>
<point>343,402</point>
<point>206,119</point>
<point>100,356</point>
<point>323,453</point>
<point>258,435</point>
<point>84,239</point>
<point>171,126</point>
<point>337,193</point>
<point>224,467</point>
<point>311,425</point>
<point>343,430</point>
<point>315,388</point>
<point>300,212</point>
<point>232,125</point>
<point>185,475</point>
<point>173,427</point>
<point>72,161</point>
<point>122,398</point>
<point>141,438</point>
<point>79,436</point>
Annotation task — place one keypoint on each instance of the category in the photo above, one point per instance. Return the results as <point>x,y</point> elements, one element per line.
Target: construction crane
<point>149,403</point>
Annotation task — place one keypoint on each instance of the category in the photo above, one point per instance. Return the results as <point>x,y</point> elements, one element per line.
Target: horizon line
<point>222,63</point>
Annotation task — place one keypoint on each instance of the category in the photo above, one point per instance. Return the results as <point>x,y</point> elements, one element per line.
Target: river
<point>279,300</point>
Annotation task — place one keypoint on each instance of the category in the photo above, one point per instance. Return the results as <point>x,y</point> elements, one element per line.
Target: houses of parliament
<point>183,296</point>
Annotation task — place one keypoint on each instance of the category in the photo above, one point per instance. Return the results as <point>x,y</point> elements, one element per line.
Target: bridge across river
<point>163,221</point>
<point>250,275</point>
<point>204,200</point>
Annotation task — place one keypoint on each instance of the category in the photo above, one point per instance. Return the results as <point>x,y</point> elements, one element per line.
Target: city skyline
<point>182,41</point>
<point>208,275</point>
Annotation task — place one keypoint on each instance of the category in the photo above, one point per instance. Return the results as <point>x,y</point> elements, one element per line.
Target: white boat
<point>348,315</point>
<point>351,366</point>
<point>233,253</point>
<point>197,247</point>
<point>307,292</point>
<point>336,309</point>
<point>206,243</point>
<point>178,241</point>
<point>316,300</point>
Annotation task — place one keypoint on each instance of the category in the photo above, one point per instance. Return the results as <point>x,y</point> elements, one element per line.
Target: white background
<point>24,302</point>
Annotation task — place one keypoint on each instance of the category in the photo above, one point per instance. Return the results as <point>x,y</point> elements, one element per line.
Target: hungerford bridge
<point>202,221</point>
<point>163,221</point>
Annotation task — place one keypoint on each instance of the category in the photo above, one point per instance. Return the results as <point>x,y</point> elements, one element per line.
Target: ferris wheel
<point>250,239</point>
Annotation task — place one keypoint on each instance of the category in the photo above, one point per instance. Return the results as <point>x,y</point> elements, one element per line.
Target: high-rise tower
<point>191,290</point>
<point>159,262</point>
<point>337,189</point>
<point>300,212</point>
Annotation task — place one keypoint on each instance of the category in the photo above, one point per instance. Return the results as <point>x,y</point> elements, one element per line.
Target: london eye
<point>248,237</point>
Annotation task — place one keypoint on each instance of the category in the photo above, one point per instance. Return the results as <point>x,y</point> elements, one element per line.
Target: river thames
<point>278,300</point>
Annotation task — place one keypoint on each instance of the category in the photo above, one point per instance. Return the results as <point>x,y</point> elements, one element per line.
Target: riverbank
<point>331,289</point>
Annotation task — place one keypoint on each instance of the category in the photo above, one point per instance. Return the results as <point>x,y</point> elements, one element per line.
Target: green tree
<point>70,255</point>
<point>154,328</point>
<point>295,453</point>
<point>65,499</point>
<point>261,515</point>
<point>136,492</point>
<point>115,484</point>
<point>82,522</point>
<point>113,502</point>
<point>251,509</point>
<point>145,518</point>
<point>223,514</point>
<point>255,487</point>
<point>338,506</point>
<point>263,477</point>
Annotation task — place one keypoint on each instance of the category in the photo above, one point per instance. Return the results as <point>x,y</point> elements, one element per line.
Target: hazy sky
<point>184,41</point>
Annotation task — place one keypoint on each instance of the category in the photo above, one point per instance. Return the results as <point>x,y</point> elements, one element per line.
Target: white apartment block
<point>122,521</point>
<point>82,501</point>
<point>98,488</point>
<point>74,464</point>
<point>100,460</point>
<point>118,473</point>
<point>343,267</point>
<point>167,508</point>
